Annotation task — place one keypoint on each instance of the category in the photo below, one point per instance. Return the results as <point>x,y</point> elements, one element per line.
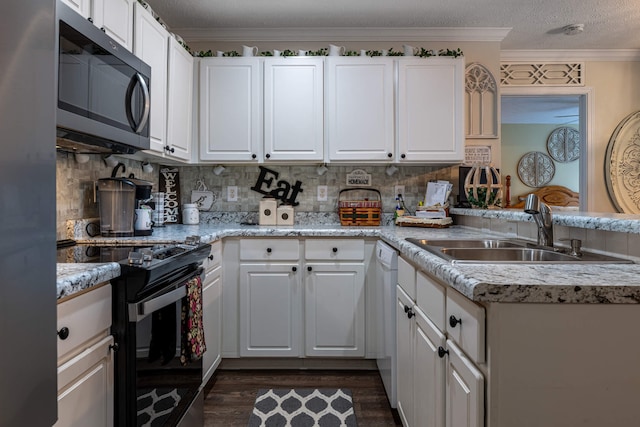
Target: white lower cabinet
<point>270,309</point>
<point>85,362</point>
<point>334,309</point>
<point>465,390</point>
<point>438,385</point>
<point>212,311</point>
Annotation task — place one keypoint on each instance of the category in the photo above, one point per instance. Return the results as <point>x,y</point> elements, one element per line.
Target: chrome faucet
<point>542,216</point>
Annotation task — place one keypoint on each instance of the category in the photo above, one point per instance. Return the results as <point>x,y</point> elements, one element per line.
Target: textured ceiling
<point>536,24</point>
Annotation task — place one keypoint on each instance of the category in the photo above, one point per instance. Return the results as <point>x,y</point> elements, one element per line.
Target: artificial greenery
<point>421,52</point>
<point>482,202</point>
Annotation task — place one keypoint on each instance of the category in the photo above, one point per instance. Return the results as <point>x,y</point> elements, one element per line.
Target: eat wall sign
<point>283,190</point>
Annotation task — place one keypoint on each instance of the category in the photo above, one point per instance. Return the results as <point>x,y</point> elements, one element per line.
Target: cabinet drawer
<point>407,277</point>
<point>465,323</point>
<point>85,316</point>
<point>214,258</point>
<point>270,249</point>
<point>431,299</point>
<point>334,249</point>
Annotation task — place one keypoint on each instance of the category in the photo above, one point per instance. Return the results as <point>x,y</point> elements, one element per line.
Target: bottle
<point>190,214</point>
<point>399,211</point>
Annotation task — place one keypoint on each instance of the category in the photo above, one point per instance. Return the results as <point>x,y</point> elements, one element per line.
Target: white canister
<point>268,208</point>
<point>190,214</point>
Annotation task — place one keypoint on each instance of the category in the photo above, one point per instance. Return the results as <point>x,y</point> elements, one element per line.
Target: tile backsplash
<point>75,182</point>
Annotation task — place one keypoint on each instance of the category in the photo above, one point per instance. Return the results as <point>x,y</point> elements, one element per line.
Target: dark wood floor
<point>230,394</point>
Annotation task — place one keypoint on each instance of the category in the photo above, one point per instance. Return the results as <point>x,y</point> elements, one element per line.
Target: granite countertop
<point>507,283</point>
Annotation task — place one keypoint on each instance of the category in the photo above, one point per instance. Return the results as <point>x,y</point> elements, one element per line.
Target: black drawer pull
<point>63,333</point>
<point>442,352</point>
<point>453,321</point>
<point>268,250</point>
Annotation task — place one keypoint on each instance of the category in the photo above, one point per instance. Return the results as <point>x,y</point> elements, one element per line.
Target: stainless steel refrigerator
<point>27,214</point>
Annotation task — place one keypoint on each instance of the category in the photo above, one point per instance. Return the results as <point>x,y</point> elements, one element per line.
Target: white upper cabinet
<point>230,109</point>
<point>179,105</point>
<point>151,45</point>
<point>430,110</point>
<point>293,109</point>
<point>83,7</point>
<point>359,109</point>
<point>115,17</point>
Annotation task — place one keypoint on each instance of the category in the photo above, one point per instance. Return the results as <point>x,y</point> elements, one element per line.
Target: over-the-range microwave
<point>103,90</point>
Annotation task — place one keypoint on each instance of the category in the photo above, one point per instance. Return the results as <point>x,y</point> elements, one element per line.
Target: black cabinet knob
<point>268,156</point>
<point>309,268</point>
<point>269,250</point>
<point>453,321</point>
<point>389,155</point>
<point>442,352</point>
<point>173,150</point>
<point>253,156</point>
<point>210,257</point>
<point>334,250</point>
<point>403,156</point>
<point>63,333</point>
<point>410,314</point>
<point>90,19</point>
<point>406,308</point>
<point>103,29</point>
<point>115,346</point>
<point>294,269</point>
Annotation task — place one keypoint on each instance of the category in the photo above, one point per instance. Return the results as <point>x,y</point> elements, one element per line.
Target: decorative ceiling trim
<point>481,34</point>
<point>550,55</point>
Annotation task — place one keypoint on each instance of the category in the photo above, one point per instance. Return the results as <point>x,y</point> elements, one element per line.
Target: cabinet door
<point>405,334</point>
<point>230,105</point>
<point>334,309</point>
<point>150,45</point>
<point>115,17</point>
<point>465,391</point>
<point>429,373</point>
<point>85,388</point>
<point>83,7</point>
<point>359,110</point>
<point>179,98</point>
<point>212,320</point>
<point>293,109</point>
<point>430,110</point>
<point>270,310</point>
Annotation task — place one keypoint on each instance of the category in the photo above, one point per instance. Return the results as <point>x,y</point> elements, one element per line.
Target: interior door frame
<point>586,99</point>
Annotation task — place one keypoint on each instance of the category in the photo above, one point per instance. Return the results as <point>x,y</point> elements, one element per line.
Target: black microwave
<point>103,90</point>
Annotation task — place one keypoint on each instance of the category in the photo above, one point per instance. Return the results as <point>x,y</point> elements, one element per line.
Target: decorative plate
<point>563,144</point>
<point>622,165</point>
<point>536,169</point>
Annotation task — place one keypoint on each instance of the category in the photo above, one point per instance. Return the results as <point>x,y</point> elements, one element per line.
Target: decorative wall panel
<point>541,74</point>
<point>481,92</point>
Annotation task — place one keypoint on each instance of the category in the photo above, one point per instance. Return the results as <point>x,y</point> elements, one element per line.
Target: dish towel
<point>193,345</point>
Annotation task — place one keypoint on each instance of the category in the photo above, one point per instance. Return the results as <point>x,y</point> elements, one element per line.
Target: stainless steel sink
<point>504,251</point>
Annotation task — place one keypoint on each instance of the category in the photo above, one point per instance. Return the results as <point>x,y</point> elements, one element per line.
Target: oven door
<point>162,382</point>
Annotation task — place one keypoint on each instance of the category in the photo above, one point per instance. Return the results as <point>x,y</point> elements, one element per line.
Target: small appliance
<point>116,204</point>
<point>103,100</point>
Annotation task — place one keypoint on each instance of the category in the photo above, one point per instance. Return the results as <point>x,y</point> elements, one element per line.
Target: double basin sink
<point>506,251</point>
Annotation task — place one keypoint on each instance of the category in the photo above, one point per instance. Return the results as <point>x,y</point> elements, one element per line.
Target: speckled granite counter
<point>574,283</point>
<point>73,278</point>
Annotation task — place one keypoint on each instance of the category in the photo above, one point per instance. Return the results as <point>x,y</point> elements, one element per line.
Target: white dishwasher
<point>387,280</point>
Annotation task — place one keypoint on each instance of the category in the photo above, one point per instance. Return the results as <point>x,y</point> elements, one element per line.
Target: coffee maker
<point>116,204</point>
<point>143,213</point>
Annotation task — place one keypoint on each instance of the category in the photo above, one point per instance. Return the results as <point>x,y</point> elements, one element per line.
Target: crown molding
<point>343,34</point>
<point>551,55</point>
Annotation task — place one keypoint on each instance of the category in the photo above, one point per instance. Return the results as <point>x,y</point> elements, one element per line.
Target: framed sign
<point>170,186</point>
<point>477,154</point>
<point>358,178</point>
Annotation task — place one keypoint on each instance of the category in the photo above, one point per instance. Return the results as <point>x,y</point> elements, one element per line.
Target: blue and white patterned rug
<point>303,407</point>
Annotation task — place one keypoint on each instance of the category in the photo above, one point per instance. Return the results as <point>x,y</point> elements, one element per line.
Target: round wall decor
<point>563,144</point>
<point>622,165</point>
<point>536,169</point>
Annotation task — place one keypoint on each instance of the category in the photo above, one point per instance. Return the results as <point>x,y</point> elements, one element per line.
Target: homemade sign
<point>170,186</point>
<point>358,178</point>
<point>477,154</point>
<point>284,191</point>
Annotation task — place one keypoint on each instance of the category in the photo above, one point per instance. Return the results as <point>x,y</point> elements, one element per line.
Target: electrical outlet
<point>399,189</point>
<point>322,193</point>
<point>232,193</point>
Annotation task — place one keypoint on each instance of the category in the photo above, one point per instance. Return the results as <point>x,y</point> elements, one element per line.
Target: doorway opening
<point>528,116</point>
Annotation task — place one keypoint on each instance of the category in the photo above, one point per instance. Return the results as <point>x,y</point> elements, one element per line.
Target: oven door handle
<point>140,310</point>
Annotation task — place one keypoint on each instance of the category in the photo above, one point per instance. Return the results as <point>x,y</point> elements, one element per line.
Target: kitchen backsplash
<point>75,182</point>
